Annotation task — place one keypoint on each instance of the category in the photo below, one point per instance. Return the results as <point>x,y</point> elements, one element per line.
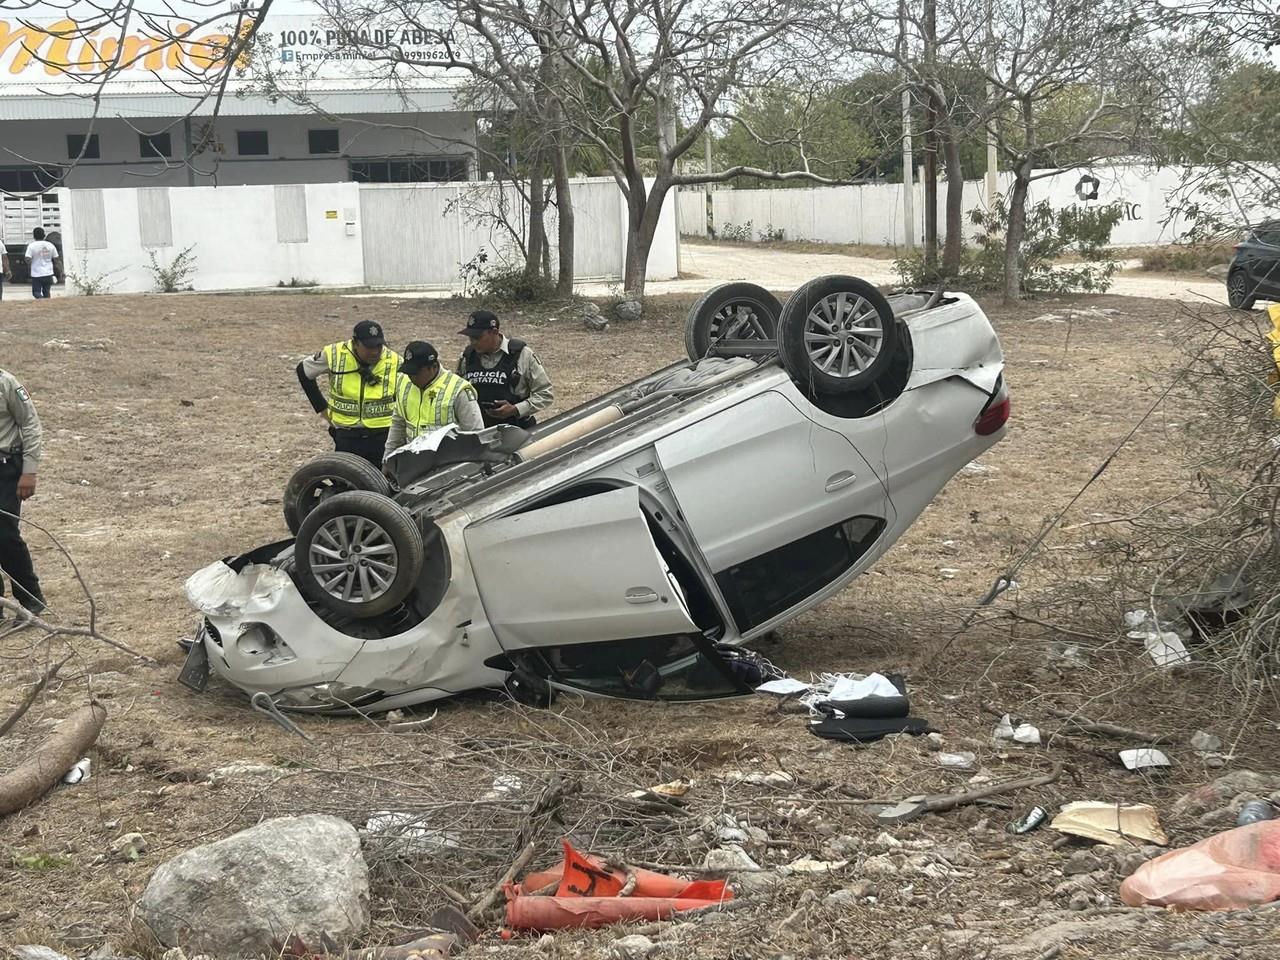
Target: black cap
<point>417,355</point>
<point>369,333</point>
<point>479,322</point>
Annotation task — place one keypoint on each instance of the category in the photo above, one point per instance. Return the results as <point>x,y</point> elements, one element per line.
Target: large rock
<point>242,895</point>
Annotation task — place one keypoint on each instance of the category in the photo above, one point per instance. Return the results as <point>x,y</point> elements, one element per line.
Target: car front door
<point>582,571</point>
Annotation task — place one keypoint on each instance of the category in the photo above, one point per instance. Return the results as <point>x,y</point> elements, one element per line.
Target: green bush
<point>1185,257</point>
<point>735,234</point>
<point>1050,235</point>
<point>503,283</point>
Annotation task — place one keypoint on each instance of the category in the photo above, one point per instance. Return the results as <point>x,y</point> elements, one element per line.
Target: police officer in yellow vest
<point>362,388</point>
<point>428,397</point>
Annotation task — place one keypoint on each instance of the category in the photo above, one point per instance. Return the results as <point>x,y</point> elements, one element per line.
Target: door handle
<point>840,480</point>
<point>641,595</point>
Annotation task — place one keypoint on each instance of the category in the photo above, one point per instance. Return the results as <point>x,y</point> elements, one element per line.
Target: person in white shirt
<point>45,264</point>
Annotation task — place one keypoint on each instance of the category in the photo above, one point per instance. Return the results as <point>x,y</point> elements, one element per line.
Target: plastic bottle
<point>1255,811</point>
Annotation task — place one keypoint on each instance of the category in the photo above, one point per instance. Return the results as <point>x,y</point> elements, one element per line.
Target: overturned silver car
<point>625,545</point>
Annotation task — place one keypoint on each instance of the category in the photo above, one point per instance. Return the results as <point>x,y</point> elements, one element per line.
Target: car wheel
<point>1238,291</point>
<point>733,319</point>
<point>837,335</point>
<point>359,554</point>
<point>328,474</point>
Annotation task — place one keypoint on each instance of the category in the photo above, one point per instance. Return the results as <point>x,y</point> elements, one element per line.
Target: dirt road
<point>172,425</point>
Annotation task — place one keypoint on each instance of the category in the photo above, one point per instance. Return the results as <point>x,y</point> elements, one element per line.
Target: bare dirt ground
<point>172,424</point>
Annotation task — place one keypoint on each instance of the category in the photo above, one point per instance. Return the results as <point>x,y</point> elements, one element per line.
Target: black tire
<point>850,318</point>
<point>747,313</point>
<point>1238,290</point>
<point>325,476</point>
<point>327,552</point>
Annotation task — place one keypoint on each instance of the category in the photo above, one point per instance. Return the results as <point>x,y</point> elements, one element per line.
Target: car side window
<point>759,589</point>
<point>1268,233</point>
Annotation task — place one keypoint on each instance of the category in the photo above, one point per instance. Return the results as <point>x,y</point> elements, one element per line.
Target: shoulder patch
<point>22,394</point>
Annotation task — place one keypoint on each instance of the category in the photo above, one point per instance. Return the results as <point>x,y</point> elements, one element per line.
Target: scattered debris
<point>34,777</point>
<point>1003,729</point>
<point>809,865</point>
<point>1110,823</point>
<point>964,760</point>
<point>80,772</point>
<point>504,785</point>
<point>633,947</point>
<point>1144,758</point>
<point>778,778</point>
<point>1203,742</point>
<point>247,771</point>
<point>1031,820</point>
<point>913,807</point>
<point>405,833</point>
<point>1218,792</point>
<point>1238,868</point>
<point>1026,733</point>
<point>628,309</point>
<point>1255,811</point>
<point>129,847</point>
<point>675,788</point>
<point>301,874</point>
<point>27,951</point>
<point>592,318</point>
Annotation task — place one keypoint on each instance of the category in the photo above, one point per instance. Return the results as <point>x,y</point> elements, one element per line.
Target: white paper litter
<point>1144,758</point>
<point>1135,618</point>
<point>1026,733</point>
<point>851,688</point>
<point>1004,729</point>
<point>405,830</point>
<point>504,785</point>
<point>1166,648</point>
<point>964,760</point>
<point>783,687</point>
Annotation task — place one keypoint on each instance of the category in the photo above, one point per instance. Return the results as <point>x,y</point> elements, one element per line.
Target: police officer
<point>362,388</point>
<point>20,443</point>
<point>428,397</point>
<point>507,375</point>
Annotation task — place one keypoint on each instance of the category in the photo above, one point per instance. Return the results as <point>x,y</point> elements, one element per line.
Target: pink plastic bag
<point>1237,868</point>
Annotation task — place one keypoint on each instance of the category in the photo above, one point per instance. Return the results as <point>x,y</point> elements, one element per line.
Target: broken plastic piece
<point>1031,820</point>
<point>1111,823</point>
<point>1166,648</point>
<point>1004,729</point>
<point>79,773</point>
<point>1143,758</point>
<point>1026,733</point>
<point>1230,870</point>
<point>590,893</point>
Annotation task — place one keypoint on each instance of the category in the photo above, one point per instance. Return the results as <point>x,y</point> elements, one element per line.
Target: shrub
<point>1184,257</point>
<point>1050,234</point>
<point>91,284</point>
<point>177,274</point>
<point>737,234</point>
<point>294,283</point>
<point>770,235</point>
<point>504,284</point>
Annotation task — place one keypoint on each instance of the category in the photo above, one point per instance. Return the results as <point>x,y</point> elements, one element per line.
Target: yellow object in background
<point>1273,312</point>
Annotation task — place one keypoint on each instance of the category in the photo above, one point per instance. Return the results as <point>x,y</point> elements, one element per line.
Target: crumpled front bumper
<point>262,636</point>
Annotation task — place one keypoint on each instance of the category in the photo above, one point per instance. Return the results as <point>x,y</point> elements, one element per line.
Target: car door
<point>760,475</point>
<point>1264,260</point>
<point>582,571</point>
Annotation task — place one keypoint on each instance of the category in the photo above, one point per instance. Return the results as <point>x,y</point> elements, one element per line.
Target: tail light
<point>993,417</point>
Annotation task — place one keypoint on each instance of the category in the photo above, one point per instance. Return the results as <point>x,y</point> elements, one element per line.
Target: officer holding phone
<point>508,376</point>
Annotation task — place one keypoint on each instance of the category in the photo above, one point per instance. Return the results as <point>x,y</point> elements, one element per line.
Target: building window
<point>152,146</point>
<point>251,143</point>
<point>408,169</point>
<point>29,179</point>
<point>322,141</point>
<point>76,142</point>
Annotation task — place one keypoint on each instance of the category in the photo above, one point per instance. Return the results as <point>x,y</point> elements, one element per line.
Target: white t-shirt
<point>41,253</point>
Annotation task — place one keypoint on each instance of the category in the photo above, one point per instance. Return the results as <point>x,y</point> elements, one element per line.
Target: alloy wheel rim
<point>843,335</point>
<point>353,559</point>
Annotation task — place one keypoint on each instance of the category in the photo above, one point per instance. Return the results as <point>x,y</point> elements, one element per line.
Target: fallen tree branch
<point>517,865</point>
<point>33,778</point>
<point>1105,729</point>
<point>59,630</point>
<point>949,801</point>
<point>31,696</point>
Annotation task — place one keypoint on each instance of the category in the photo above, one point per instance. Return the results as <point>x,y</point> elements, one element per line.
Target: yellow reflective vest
<point>425,408</point>
<point>356,399</point>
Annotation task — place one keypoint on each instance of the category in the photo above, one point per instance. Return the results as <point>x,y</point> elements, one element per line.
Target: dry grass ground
<point>172,424</point>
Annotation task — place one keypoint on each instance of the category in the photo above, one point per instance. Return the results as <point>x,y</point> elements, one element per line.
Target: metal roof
<point>138,99</point>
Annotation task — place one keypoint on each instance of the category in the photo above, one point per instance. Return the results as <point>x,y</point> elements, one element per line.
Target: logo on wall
<point>1087,187</point>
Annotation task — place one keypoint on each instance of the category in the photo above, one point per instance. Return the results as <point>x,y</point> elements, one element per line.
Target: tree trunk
<point>953,245</point>
<point>1017,230</point>
<point>564,227</point>
<point>537,219</point>
<point>643,212</point>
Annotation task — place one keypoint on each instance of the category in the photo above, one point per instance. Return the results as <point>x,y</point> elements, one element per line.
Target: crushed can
<point>1255,811</point>
<point>1029,821</point>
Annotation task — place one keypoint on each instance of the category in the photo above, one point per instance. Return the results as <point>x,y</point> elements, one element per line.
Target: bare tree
<point>1061,71</point>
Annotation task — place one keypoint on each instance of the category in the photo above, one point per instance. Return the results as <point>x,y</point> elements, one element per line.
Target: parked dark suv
<point>1254,273</point>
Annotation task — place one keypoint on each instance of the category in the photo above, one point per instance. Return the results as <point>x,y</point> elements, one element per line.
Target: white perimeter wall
<point>236,239</point>
<point>1148,199</point>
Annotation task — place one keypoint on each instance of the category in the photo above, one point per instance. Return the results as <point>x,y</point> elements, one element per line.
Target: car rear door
<point>1261,256</point>
<point>760,475</point>
<point>583,571</point>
